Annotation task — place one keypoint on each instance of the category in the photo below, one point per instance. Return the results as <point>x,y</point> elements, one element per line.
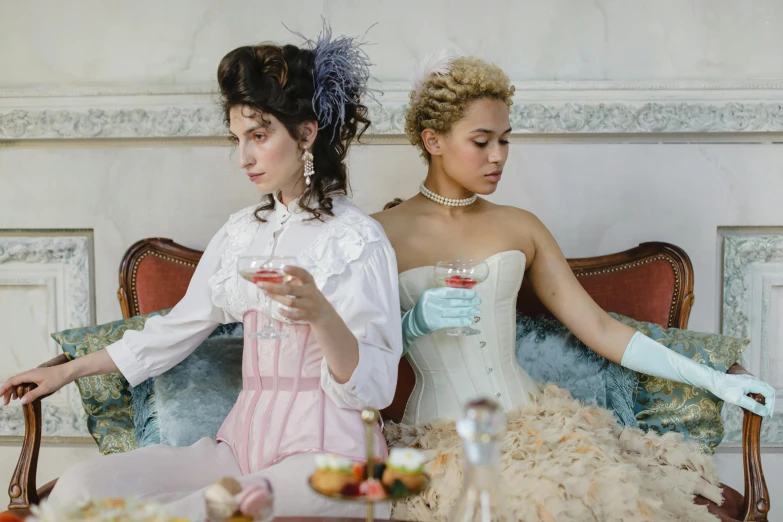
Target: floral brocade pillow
<point>662,405</point>
<point>106,398</point>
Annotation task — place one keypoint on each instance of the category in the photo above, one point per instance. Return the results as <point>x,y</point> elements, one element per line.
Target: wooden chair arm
<point>22,488</point>
<point>756,504</point>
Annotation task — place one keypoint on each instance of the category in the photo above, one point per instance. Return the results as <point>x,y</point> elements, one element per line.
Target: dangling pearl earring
<point>309,170</point>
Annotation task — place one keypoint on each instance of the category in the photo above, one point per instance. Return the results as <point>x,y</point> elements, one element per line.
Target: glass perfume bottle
<point>481,428</point>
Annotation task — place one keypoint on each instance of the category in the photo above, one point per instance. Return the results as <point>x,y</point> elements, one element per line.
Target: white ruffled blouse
<point>353,265</point>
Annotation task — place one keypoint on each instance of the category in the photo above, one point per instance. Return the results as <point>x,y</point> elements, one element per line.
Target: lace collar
<point>342,240</point>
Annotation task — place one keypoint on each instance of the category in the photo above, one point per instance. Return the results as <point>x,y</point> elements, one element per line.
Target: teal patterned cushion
<point>662,405</point>
<point>106,398</point>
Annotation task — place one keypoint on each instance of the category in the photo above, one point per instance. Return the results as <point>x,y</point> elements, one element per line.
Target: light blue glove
<point>439,308</point>
<point>644,355</point>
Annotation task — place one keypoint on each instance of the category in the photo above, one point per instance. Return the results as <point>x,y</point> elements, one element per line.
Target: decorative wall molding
<point>540,108</point>
<point>72,252</point>
<point>61,265</point>
<point>752,269</point>
<point>110,123</point>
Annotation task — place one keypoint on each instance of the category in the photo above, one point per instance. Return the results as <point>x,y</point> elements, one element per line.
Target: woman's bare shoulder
<point>515,216</point>
<point>399,213</point>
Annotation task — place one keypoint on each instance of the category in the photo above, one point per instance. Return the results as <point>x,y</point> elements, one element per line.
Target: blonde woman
<point>458,118</point>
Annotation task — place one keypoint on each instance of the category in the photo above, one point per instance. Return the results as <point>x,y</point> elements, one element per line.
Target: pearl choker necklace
<point>437,198</point>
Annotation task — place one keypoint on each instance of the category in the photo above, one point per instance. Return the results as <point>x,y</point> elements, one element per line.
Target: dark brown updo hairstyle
<point>279,81</point>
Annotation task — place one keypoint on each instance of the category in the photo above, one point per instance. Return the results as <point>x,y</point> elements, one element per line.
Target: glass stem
<point>268,313</point>
<point>267,324</point>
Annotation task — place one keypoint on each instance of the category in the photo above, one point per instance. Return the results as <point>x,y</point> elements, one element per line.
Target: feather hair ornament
<point>437,62</point>
<point>342,70</point>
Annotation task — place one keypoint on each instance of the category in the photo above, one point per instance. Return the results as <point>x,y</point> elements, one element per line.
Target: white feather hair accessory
<point>437,62</point>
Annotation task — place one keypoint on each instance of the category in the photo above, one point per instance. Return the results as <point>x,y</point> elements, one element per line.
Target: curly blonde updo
<point>443,99</point>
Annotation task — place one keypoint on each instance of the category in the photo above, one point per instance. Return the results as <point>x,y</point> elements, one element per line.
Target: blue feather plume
<point>342,70</point>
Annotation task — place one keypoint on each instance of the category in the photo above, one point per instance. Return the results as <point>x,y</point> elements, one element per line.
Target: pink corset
<point>282,409</point>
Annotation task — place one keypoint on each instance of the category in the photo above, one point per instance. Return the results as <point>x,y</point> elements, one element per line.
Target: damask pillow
<point>662,405</point>
<point>106,398</point>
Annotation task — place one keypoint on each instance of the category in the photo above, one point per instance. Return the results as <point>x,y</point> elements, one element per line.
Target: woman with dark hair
<point>292,113</point>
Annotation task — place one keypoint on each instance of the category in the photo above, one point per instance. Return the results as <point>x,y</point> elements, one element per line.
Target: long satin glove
<point>438,308</point>
<point>644,355</point>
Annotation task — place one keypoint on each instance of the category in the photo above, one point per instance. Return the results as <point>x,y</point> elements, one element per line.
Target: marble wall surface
<point>54,44</point>
<point>597,198</point>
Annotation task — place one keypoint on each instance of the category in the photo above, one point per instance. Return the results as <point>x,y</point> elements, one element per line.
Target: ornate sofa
<point>652,282</point>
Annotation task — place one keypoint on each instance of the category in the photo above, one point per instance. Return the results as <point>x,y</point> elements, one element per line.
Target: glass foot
<point>268,334</point>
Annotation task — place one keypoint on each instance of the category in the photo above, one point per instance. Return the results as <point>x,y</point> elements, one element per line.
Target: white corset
<point>450,371</point>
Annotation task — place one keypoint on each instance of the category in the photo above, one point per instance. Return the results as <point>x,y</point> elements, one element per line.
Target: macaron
<point>253,500</point>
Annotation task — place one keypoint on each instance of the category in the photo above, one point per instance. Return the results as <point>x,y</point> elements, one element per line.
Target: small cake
<point>231,484</point>
<point>405,465</point>
<point>332,474</point>
<point>372,489</point>
<point>100,511</point>
<point>360,470</point>
<point>220,502</point>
